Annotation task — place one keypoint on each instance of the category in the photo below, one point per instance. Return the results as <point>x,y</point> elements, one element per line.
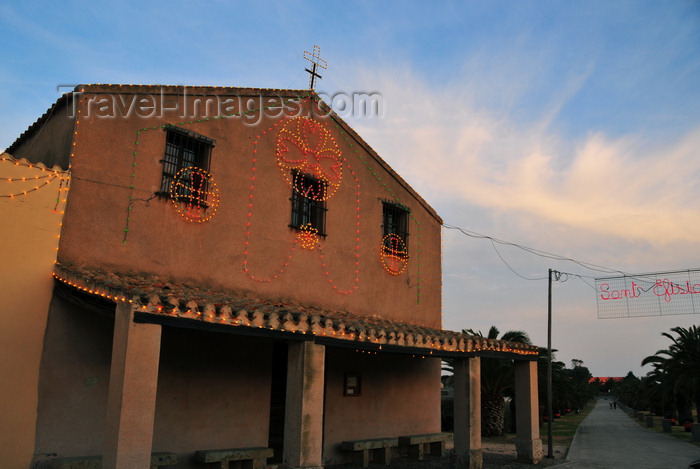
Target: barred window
<point>187,156</point>
<point>395,228</point>
<point>308,202</point>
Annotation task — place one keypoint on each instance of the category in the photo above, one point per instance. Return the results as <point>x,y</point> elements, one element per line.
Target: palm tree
<point>582,390</point>
<point>628,391</point>
<point>660,393</point>
<point>497,382</point>
<point>678,368</point>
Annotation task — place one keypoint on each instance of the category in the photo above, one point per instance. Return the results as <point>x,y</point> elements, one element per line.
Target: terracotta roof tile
<point>152,296</point>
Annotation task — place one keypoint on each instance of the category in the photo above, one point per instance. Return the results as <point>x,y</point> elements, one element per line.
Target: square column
<point>527,423</point>
<point>303,421</point>
<point>133,381</point>
<point>467,413</point>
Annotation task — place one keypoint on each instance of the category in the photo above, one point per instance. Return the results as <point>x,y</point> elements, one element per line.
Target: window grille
<point>185,149</point>
<point>395,225</point>
<point>308,202</point>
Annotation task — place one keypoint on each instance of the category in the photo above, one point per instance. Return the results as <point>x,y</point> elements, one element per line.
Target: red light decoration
<point>393,196</point>
<point>305,146</point>
<point>192,214</point>
<point>194,194</point>
<point>307,237</point>
<point>393,254</point>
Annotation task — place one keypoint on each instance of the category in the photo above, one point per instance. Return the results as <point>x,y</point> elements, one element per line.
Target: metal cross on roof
<point>317,61</point>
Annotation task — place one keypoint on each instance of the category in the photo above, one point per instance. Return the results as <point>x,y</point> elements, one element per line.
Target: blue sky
<point>571,127</point>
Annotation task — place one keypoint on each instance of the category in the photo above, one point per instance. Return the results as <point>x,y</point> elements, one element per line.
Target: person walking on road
<point>616,441</point>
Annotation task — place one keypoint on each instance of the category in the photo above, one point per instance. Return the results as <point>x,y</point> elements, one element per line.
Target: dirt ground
<point>503,456</point>
<point>496,456</point>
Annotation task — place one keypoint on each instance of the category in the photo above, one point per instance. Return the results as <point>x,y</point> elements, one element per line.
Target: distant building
<point>605,379</point>
<point>236,268</point>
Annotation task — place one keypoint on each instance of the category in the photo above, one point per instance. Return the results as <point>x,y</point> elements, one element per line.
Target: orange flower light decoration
<point>308,236</point>
<point>194,194</point>
<point>305,146</point>
<point>394,254</point>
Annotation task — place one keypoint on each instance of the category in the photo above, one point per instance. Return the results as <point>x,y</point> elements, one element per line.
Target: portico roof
<point>199,307</point>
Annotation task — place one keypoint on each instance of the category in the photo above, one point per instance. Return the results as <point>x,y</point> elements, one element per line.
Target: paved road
<point>611,439</point>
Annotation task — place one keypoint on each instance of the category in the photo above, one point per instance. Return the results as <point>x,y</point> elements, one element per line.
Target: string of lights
<point>305,145</point>
<point>28,184</point>
<point>354,146</point>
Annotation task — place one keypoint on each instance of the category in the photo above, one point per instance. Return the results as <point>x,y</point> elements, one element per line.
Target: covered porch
<point>305,348</point>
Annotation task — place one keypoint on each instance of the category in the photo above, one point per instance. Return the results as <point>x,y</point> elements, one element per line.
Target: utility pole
<point>549,369</point>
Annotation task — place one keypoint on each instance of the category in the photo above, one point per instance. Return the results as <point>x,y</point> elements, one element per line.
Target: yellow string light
<point>306,147</point>
<point>313,146</point>
<point>393,254</point>
<point>194,194</point>
<point>308,236</point>
<point>50,177</point>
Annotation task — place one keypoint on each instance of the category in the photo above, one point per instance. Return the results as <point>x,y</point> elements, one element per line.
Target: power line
<point>537,252</point>
<point>493,243</point>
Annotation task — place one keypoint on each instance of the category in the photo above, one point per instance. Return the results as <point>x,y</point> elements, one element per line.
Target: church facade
<point>236,268</point>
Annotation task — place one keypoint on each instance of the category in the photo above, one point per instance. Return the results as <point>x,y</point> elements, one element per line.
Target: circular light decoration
<point>194,194</point>
<point>308,236</point>
<point>393,254</point>
<point>306,147</point>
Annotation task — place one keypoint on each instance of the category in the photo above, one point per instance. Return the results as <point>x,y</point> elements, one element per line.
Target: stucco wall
<point>74,382</point>
<point>28,235</point>
<point>114,154</point>
<point>49,141</point>
<point>213,389</point>
<point>400,395</point>
<point>213,392</point>
<point>113,221</point>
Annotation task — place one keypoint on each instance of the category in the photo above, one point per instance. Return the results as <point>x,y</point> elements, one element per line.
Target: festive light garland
<point>396,199</point>
<point>194,194</point>
<point>24,179</point>
<point>315,145</point>
<point>322,159</point>
<point>130,205</point>
<point>308,236</point>
<point>239,315</point>
<point>305,146</point>
<point>61,197</point>
<point>53,175</point>
<point>394,254</point>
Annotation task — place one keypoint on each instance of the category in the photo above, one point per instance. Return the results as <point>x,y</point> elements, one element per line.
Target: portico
<point>310,402</point>
<point>220,295</point>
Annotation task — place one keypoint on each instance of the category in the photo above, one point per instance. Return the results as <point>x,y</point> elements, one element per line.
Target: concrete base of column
<point>666,425</point>
<point>287,466</point>
<point>529,451</point>
<point>695,430</point>
<point>474,459</point>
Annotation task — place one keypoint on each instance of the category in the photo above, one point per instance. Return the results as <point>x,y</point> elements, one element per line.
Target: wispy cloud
<point>452,151</point>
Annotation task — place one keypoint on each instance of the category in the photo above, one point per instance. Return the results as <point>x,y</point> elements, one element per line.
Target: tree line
<point>571,387</point>
<point>672,387</point>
